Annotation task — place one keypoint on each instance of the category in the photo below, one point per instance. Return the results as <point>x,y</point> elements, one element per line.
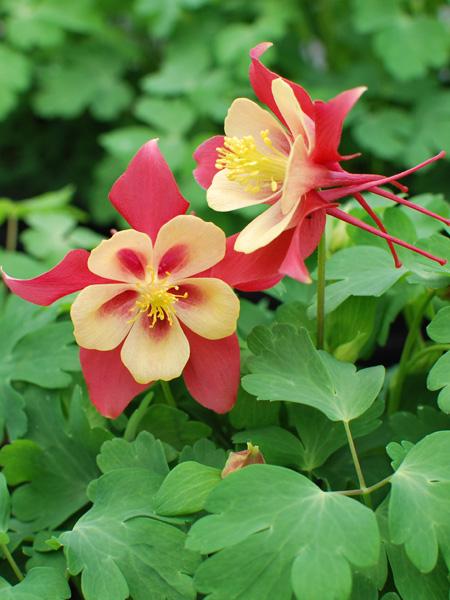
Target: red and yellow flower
<point>288,160</point>
<point>155,300</point>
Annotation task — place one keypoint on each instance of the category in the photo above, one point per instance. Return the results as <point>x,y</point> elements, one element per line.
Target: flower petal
<point>212,373</point>
<point>297,121</point>
<point>70,275</point>
<point>265,228</point>
<point>187,245</point>
<point>110,385</point>
<point>307,234</point>
<point>329,117</point>
<point>158,352</point>
<point>124,256</point>
<point>147,195</point>
<point>261,79</point>
<point>206,156</point>
<point>302,176</point>
<point>256,271</point>
<point>101,315</point>
<point>245,117</point>
<point>225,195</point>
<point>211,308</point>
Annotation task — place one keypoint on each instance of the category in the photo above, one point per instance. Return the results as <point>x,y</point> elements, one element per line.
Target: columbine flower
<point>289,162</point>
<point>239,460</point>
<point>154,303</point>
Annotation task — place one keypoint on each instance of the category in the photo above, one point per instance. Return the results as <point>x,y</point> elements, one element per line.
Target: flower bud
<point>238,460</point>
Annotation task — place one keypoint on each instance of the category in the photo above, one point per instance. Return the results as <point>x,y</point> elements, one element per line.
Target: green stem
<point>369,490</point>
<point>133,422</point>
<point>321,260</point>
<point>411,339</point>
<point>170,400</point>
<point>358,469</point>
<point>12,563</point>
<point>427,350</point>
<point>11,233</point>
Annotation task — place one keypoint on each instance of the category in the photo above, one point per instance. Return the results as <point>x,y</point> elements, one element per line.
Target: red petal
<point>329,117</point>
<point>110,385</point>
<point>147,195</point>
<point>70,275</point>
<point>212,373</point>
<point>206,156</point>
<point>256,271</point>
<point>261,79</point>
<point>306,237</point>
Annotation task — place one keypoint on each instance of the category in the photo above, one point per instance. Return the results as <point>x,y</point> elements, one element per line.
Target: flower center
<point>157,299</point>
<point>250,167</point>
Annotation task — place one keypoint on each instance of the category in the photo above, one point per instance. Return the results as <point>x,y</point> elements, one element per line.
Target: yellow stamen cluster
<point>155,299</point>
<point>251,167</point>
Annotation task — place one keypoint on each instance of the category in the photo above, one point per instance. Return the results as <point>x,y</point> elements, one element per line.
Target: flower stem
<point>358,469</point>
<point>170,400</point>
<point>369,490</point>
<point>11,233</point>
<point>133,422</point>
<point>427,350</point>
<point>321,281</point>
<point>12,563</point>
<point>411,339</point>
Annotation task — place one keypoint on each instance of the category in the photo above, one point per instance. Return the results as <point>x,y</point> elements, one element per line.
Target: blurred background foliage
<point>83,83</point>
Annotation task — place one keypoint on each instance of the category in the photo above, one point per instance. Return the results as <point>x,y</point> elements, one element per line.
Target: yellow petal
<point>298,122</point>
<point>264,229</point>
<point>123,257</point>
<point>101,315</point>
<point>211,308</point>
<point>152,353</point>
<point>187,245</point>
<point>301,176</point>
<point>247,118</point>
<point>224,194</point>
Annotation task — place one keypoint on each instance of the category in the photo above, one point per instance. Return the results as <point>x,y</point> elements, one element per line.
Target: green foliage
<point>41,582</point>
<point>288,367</point>
<point>34,349</point>
<point>119,538</point>
<point>135,508</point>
<point>420,488</point>
<point>268,535</point>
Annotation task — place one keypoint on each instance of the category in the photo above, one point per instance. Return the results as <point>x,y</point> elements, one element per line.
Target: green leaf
<point>248,413</point>
<point>173,426</point>
<point>276,534</point>
<point>32,349</point>
<point>15,77</point>
<point>204,452</point>
<point>412,45</point>
<point>186,489</point>
<point>288,367</point>
<point>371,15</point>
<point>5,506</point>
<point>56,462</point>
<point>385,133</point>
<point>420,495</point>
<point>119,546</point>
<point>279,446</point>
<point>359,271</point>
<point>51,236</point>
<point>145,452</point>
<point>40,582</point>
<point>165,115</point>
<point>71,85</point>
<point>409,581</point>
<point>439,375</point>
<point>439,328</point>
<point>320,437</point>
